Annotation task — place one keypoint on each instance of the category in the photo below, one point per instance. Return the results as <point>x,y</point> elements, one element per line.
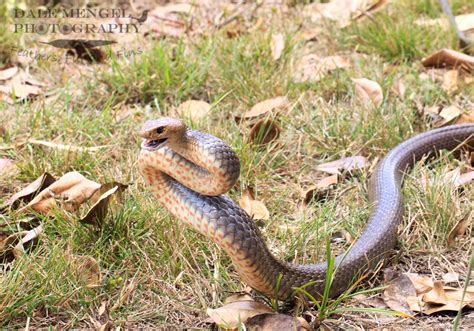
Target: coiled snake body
<point>189,172</point>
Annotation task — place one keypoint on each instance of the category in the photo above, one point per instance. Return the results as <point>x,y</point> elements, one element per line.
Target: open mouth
<point>153,143</point>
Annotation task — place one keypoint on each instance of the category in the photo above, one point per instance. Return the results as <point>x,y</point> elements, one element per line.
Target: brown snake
<point>189,172</point>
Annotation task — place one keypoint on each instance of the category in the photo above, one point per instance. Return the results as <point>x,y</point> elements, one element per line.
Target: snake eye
<point>160,130</point>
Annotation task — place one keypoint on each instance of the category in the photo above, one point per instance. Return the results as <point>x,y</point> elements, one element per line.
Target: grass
<point>156,272</point>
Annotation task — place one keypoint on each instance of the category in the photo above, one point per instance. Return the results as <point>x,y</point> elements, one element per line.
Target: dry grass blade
<point>459,229</point>
<point>68,147</point>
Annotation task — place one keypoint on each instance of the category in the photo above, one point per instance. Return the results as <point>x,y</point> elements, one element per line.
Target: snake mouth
<point>152,144</point>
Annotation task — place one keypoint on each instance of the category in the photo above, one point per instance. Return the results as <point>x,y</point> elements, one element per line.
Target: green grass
<point>155,272</point>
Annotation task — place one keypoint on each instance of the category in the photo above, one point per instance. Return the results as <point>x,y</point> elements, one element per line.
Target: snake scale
<point>189,172</point>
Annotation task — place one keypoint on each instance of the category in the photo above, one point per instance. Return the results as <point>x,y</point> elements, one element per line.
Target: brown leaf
<point>67,147</point>
<point>453,297</point>
<point>102,308</point>
<point>436,295</point>
<point>255,208</point>
<point>450,277</point>
<point>27,237</point>
<point>71,190</point>
<point>422,284</point>
<point>399,89</point>
<point>396,293</point>
<point>464,118</point>
<point>313,68</point>
<point>352,163</point>
<point>21,86</point>
<point>277,45</point>
<point>271,321</point>
<point>230,315</point>
<point>7,168</point>
<point>459,229</point>
<point>6,74</point>
<point>239,296</point>
<point>319,190</point>
<point>27,193</point>
<point>271,105</point>
<point>193,109</point>
<point>464,22</point>
<point>465,178</point>
<point>449,59</point>
<point>368,91</point>
<point>98,211</point>
<point>264,132</point>
<point>87,270</point>
<point>450,81</point>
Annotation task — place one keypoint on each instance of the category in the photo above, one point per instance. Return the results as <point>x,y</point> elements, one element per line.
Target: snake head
<point>157,133</point>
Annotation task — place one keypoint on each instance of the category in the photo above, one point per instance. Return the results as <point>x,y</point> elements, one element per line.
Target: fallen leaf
<point>464,118</point>
<point>272,321</point>
<point>87,270</point>
<point>264,132</point>
<point>7,168</point>
<point>414,303</point>
<point>368,91</point>
<point>312,68</point>
<point>240,296</point>
<point>436,295</point>
<point>450,277</point>
<point>273,105</point>
<point>98,211</point>
<point>277,45</point>
<point>399,89</point>
<point>71,190</point>
<point>27,237</point>
<point>352,163</point>
<point>422,284</point>
<point>459,229</point>
<point>450,81</point>
<point>21,86</point>
<point>449,59</point>
<point>465,178</point>
<point>447,116</point>
<point>230,315</point>
<point>102,308</point>
<point>453,297</point>
<point>193,109</point>
<point>27,193</point>
<point>464,22</point>
<point>255,208</point>
<point>67,147</point>
<point>319,190</point>
<point>396,293</point>
<point>6,74</point>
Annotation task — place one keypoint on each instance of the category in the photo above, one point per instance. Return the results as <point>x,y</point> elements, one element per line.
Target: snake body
<point>189,171</point>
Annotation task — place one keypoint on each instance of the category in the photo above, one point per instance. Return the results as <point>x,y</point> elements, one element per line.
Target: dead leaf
<point>194,109</point>
<point>272,321</point>
<point>368,91</point>
<point>399,89</point>
<point>449,59</point>
<point>436,295</point>
<point>458,230</point>
<point>27,193</point>
<point>87,270</point>
<point>465,178</point>
<point>6,74</point>
<point>396,293</point>
<point>464,118</point>
<point>240,296</point>
<point>453,297</point>
<point>312,68</point>
<point>277,45</point>
<point>230,315</point>
<point>71,190</point>
<point>349,164</point>
<point>27,237</point>
<point>67,147</point>
<point>8,168</point>
<point>448,116</point>
<point>21,86</point>
<point>98,211</point>
<point>422,284</point>
<point>264,132</point>
<point>319,190</point>
<point>255,208</point>
<point>102,308</point>
<point>450,277</point>
<point>464,22</point>
<point>273,105</point>
<point>450,81</point>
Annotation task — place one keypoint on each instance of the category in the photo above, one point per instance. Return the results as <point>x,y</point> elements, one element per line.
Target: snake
<point>189,173</point>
